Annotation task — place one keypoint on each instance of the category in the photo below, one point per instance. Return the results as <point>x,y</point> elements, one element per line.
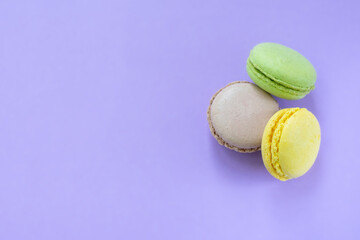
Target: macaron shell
<point>299,143</point>
<point>272,87</point>
<point>238,113</point>
<point>284,65</point>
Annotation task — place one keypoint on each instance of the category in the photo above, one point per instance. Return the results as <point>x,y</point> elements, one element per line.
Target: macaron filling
<point>277,83</point>
<point>266,143</point>
<point>275,140</point>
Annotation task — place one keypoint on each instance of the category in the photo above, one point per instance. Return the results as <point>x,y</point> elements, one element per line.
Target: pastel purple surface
<point>103,131</point>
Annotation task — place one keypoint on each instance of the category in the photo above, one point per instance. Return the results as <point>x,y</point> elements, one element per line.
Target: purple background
<point>103,131</point>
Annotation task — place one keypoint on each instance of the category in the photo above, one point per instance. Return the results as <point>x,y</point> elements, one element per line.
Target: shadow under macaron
<point>307,102</point>
<point>239,167</point>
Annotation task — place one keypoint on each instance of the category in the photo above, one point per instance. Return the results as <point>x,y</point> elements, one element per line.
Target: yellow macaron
<point>290,143</point>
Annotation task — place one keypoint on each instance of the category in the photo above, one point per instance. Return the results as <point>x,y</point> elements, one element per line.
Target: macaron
<point>290,143</point>
<point>237,115</point>
<point>281,71</point>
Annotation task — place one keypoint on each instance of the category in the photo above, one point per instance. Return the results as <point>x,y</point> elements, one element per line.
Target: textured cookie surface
<point>281,71</point>
<point>238,114</point>
<point>290,143</point>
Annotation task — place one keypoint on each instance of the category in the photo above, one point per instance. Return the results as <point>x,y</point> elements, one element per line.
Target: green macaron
<point>281,71</point>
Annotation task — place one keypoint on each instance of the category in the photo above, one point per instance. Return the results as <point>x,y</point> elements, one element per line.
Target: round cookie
<point>238,114</point>
<point>290,143</point>
<point>281,71</point>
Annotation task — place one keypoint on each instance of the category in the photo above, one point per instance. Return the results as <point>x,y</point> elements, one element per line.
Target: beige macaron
<point>238,114</point>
